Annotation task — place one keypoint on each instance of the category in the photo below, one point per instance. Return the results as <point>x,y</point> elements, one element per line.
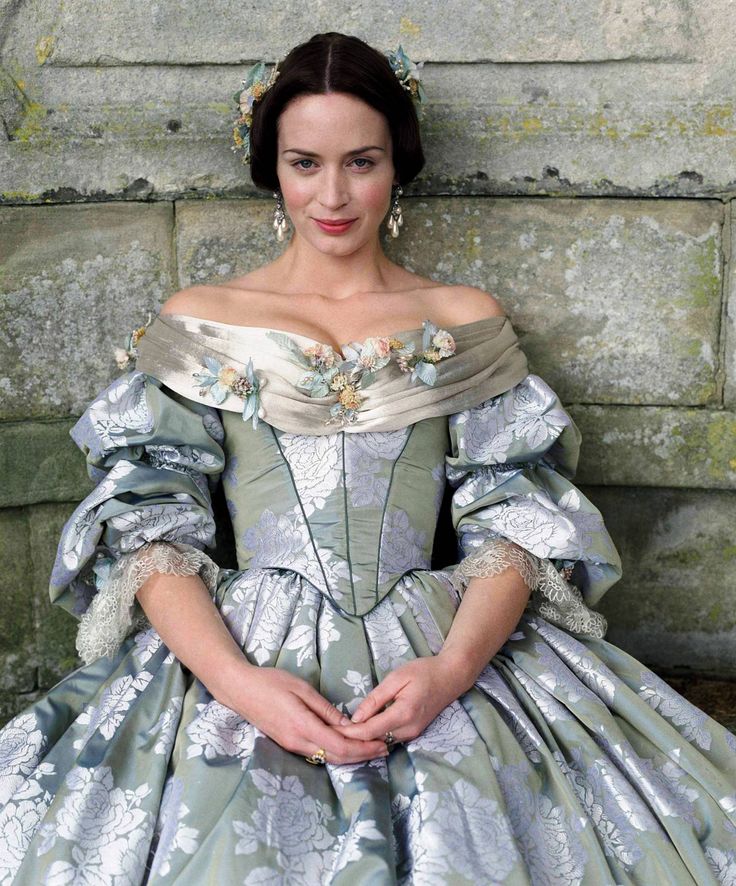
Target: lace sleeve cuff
<point>493,557</point>
<point>553,597</point>
<point>112,613</point>
<point>561,602</point>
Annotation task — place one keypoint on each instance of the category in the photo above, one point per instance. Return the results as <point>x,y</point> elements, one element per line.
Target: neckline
<point>298,335</point>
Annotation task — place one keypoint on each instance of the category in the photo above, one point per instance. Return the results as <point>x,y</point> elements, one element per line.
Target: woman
<point>335,710</point>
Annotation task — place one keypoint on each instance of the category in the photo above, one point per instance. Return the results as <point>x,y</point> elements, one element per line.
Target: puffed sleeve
<point>510,466</point>
<point>156,458</point>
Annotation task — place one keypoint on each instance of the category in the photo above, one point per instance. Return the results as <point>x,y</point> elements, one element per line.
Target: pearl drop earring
<point>396,218</point>
<point>279,217</point>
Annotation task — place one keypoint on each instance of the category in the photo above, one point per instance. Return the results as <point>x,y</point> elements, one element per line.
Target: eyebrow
<point>348,153</point>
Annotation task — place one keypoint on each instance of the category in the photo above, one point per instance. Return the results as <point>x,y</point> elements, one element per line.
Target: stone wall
<point>581,166</point>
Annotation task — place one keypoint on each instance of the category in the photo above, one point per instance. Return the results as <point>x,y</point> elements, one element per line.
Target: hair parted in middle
<point>334,62</point>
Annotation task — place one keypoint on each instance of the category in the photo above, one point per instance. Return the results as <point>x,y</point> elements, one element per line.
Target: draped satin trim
<point>488,361</point>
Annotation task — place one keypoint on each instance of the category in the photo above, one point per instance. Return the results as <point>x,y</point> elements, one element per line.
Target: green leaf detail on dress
<point>219,381</point>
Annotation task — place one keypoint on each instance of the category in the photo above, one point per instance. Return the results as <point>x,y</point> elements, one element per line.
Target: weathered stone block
<point>17,640</point>
<point>729,370</point>
<point>656,446</point>
<point>674,606</point>
<point>220,239</point>
<point>94,31</point>
<point>503,142</point>
<point>73,281</point>
<point>39,461</point>
<point>614,301</point>
<point>56,629</point>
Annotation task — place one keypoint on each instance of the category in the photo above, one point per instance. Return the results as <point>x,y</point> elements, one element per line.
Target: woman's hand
<point>416,692</point>
<point>291,712</point>
<point>283,706</point>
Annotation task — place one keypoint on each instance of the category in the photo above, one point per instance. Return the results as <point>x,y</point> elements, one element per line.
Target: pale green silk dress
<point>568,762</point>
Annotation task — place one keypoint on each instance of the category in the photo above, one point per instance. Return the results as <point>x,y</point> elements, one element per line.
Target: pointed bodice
<point>351,512</point>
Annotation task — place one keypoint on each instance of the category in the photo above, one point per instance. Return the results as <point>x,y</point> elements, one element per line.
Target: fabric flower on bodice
<point>329,372</point>
<point>436,345</point>
<point>220,381</point>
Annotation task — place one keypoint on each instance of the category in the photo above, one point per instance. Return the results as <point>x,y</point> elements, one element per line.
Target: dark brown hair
<point>334,62</point>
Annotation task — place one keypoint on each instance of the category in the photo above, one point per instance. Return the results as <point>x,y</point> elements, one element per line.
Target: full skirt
<point>568,762</point>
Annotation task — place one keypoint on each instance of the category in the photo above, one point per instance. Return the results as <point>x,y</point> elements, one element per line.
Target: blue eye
<point>365,162</point>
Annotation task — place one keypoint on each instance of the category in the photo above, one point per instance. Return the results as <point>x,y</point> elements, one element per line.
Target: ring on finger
<point>388,737</point>
<point>317,758</point>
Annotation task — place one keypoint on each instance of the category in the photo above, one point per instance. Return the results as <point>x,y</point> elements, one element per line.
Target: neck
<point>309,270</point>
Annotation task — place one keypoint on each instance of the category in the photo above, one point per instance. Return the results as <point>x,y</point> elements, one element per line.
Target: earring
<point>279,217</point>
<point>395,219</point>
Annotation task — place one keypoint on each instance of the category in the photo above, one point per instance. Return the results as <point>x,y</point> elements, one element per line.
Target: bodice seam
<point>306,521</point>
<point>347,524</point>
<point>385,507</point>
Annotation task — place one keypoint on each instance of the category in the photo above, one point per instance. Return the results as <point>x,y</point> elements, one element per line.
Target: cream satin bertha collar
<point>487,361</point>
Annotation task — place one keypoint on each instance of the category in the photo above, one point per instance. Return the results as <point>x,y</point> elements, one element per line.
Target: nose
<point>333,191</point>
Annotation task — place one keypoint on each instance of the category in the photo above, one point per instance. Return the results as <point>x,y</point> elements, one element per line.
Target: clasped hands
<point>293,713</point>
<point>407,699</point>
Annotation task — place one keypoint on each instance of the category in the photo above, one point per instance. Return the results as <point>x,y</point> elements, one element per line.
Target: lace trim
<point>561,602</point>
<point>553,597</point>
<point>493,557</point>
<point>114,610</point>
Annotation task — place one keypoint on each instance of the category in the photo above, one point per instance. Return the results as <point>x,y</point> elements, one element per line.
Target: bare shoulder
<point>189,300</point>
<point>465,304</point>
<point>206,301</point>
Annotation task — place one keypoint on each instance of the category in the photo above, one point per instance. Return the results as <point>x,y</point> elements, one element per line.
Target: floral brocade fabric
<point>568,762</point>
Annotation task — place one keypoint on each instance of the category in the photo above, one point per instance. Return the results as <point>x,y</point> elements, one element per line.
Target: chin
<point>336,245</point>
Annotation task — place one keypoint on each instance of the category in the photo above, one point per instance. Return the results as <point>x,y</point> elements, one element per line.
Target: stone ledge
<point>92,32</point>
<point>125,132</point>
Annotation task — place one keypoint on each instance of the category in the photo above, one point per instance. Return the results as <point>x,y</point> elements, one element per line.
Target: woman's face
<point>334,162</point>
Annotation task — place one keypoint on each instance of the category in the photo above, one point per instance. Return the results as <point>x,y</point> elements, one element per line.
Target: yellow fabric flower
<point>339,381</point>
<point>226,376</point>
<point>349,397</point>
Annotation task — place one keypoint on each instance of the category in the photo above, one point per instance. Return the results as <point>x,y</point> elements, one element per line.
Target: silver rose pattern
<point>568,761</point>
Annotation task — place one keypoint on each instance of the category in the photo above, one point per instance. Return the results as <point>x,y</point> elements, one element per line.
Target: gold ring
<point>389,738</point>
<point>318,757</point>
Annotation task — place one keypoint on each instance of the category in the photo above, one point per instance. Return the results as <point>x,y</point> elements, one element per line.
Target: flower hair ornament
<point>257,82</point>
<point>254,88</point>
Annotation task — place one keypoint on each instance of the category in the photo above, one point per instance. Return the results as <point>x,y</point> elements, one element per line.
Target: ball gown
<point>567,762</point>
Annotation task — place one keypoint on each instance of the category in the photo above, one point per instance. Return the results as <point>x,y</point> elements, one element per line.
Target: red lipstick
<point>335,226</point>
